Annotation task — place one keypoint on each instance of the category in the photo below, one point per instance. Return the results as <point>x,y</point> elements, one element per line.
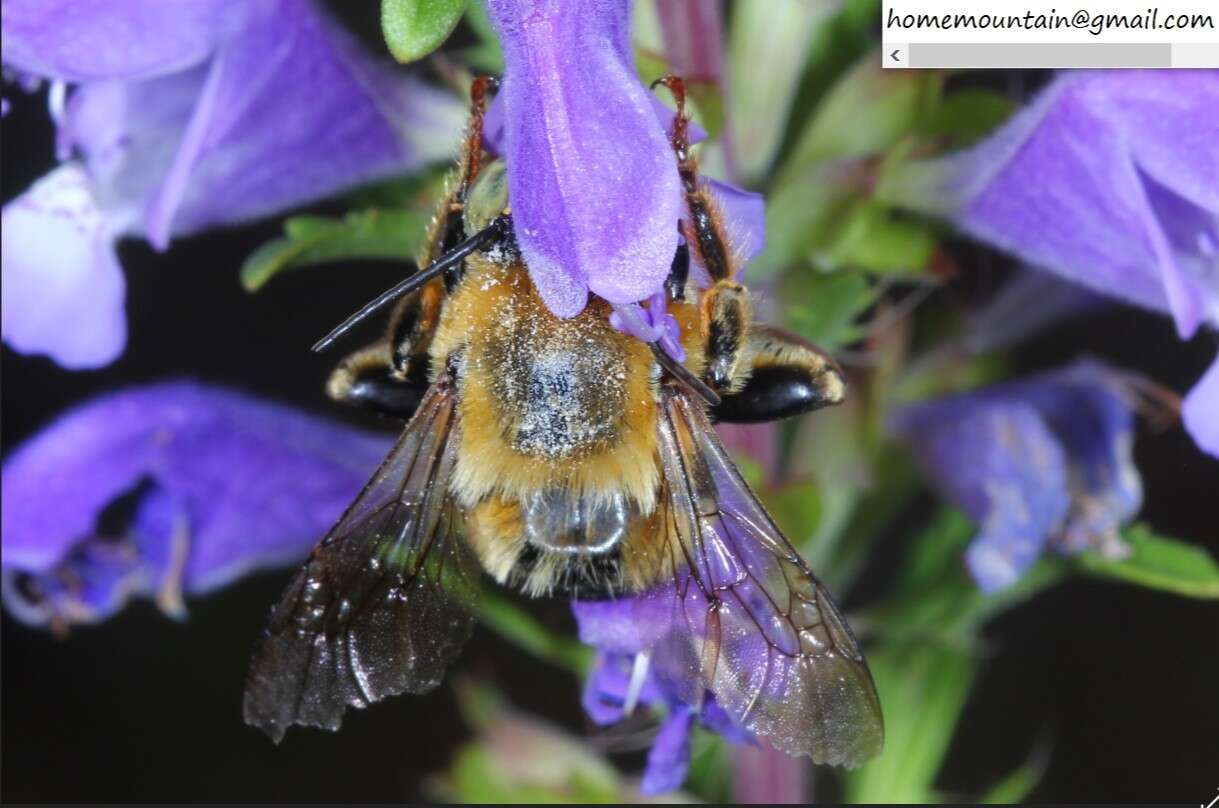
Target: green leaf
<point>833,302</point>
<point>308,240</point>
<point>865,113</point>
<point>415,28</point>
<point>777,35</point>
<point>796,507</point>
<point>1020,782</point>
<point>923,689</point>
<point>966,116</point>
<point>872,238</point>
<point>803,212</point>
<point>935,599</point>
<point>486,55</point>
<point>1159,563</point>
<point>710,774</point>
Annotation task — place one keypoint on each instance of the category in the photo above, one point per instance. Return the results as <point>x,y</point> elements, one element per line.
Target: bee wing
<point>749,622</point>
<point>386,599</point>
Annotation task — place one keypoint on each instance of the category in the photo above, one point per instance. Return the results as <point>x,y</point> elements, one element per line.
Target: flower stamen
<point>639,674</point>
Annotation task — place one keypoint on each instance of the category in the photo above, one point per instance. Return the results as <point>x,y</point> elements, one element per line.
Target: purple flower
<point>623,678</point>
<point>593,180</point>
<point>1110,180</point>
<point>166,490</point>
<point>1036,463</point>
<point>212,114</point>
<point>651,324</point>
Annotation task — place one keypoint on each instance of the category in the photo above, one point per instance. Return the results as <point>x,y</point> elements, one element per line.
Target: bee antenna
<point>498,228</point>
<point>682,374</point>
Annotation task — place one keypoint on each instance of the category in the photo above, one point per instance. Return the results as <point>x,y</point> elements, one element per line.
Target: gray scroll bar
<point>968,55</point>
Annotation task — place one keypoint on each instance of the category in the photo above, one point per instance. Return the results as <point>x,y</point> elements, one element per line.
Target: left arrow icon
<point>894,55</point>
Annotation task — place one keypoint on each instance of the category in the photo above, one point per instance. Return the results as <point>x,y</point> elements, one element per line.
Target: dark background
<point>1121,680</point>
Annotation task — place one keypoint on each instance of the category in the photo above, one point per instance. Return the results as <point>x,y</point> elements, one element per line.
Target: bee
<point>564,457</point>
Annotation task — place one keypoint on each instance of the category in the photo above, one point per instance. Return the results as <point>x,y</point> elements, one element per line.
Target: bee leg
<point>366,379</point>
<point>410,331</point>
<point>726,314</point>
<point>704,229</point>
<point>391,375</point>
<point>447,229</point>
<point>472,150</point>
<point>789,376</point>
<point>679,271</point>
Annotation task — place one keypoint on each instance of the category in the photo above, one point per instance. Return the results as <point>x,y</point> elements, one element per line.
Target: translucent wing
<point>385,601</point>
<point>748,621</point>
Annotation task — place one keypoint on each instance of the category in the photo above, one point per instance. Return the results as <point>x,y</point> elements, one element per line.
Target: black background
<point>1123,681</point>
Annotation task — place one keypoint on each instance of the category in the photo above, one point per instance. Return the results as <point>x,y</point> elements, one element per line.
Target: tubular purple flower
<point>592,179</point>
<point>215,114</point>
<point>623,678</point>
<point>1040,462</point>
<point>1109,179</point>
<point>167,490</point>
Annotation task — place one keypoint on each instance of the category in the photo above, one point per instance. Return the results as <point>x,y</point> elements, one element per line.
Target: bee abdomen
<point>540,572</point>
<point>576,525</point>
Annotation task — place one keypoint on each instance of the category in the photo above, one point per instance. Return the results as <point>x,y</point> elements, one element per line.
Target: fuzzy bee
<point>562,456</point>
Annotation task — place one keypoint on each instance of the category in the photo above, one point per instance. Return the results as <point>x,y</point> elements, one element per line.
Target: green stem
<point>517,626</point>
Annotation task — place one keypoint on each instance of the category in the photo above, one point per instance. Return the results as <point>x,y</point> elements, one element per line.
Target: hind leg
<point>788,376</point>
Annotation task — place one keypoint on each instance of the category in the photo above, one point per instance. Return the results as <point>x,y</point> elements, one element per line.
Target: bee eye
<point>487,199</point>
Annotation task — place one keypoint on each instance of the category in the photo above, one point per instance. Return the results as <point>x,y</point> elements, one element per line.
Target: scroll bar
<point>1195,54</point>
<point>1045,55</point>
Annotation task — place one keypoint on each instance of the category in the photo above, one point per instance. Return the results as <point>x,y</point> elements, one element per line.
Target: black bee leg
<point>704,226</point>
<point>390,376</point>
<point>366,379</point>
<point>410,331</point>
<point>679,272</point>
<point>790,376</point>
<point>726,311</point>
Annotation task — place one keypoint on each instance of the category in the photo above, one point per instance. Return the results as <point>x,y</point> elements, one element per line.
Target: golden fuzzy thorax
<point>545,402</point>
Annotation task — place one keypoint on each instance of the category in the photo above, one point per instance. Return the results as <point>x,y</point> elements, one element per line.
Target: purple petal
<point>85,40</point>
<point>1044,458</point>
<point>593,182</point>
<point>263,109</point>
<point>621,625</point>
<point>653,324</point>
<point>1110,179</point>
<point>63,287</point>
<point>222,483</point>
<point>1084,407</point>
<point>1012,481</point>
<point>669,757</point>
<point>1201,411</point>
<point>714,718</point>
<point>605,689</point>
<point>288,110</point>
<point>494,136</point>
